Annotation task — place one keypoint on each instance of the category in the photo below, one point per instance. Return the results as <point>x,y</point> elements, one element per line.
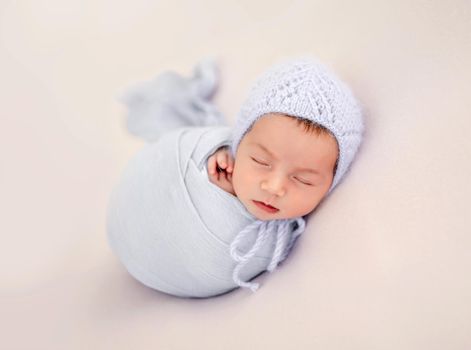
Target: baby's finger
<point>214,177</point>
<point>222,160</point>
<point>212,164</point>
<point>230,165</point>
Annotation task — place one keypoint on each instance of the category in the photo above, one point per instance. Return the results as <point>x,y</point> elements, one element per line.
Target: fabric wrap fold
<point>177,232</point>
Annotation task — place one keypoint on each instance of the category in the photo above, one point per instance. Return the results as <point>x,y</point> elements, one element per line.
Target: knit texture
<point>161,232</point>
<point>285,238</point>
<point>305,88</point>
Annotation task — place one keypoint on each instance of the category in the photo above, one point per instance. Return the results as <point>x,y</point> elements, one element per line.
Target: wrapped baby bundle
<point>172,228</point>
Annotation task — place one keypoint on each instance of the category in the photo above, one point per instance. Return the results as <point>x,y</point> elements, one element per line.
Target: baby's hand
<point>220,167</point>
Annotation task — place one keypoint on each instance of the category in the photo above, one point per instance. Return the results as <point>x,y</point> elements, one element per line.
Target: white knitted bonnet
<point>305,88</point>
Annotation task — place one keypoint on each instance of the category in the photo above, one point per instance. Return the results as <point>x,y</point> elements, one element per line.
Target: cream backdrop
<point>384,263</point>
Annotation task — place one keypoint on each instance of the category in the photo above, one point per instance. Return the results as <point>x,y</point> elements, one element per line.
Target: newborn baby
<point>283,168</point>
<point>205,208</point>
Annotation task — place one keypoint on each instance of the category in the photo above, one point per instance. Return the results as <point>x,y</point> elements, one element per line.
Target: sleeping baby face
<point>280,164</point>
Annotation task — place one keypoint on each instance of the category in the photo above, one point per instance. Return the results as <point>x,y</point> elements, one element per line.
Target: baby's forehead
<point>287,137</point>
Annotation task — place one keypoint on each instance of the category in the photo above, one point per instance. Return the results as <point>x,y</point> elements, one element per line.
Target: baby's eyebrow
<point>307,170</point>
<point>265,149</point>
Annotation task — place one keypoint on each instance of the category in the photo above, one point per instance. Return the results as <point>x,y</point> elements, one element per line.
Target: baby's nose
<point>274,185</point>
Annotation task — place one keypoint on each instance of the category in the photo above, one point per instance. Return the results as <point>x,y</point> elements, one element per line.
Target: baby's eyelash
<point>256,161</point>
<point>306,183</point>
<point>303,182</point>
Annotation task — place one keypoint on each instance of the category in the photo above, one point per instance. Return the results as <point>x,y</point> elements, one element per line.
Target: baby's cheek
<point>312,202</point>
<point>235,182</point>
<point>238,179</point>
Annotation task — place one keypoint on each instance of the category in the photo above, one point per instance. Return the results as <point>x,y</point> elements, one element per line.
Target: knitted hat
<point>305,88</point>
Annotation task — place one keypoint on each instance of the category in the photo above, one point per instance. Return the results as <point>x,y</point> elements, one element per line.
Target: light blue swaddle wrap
<point>172,228</point>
